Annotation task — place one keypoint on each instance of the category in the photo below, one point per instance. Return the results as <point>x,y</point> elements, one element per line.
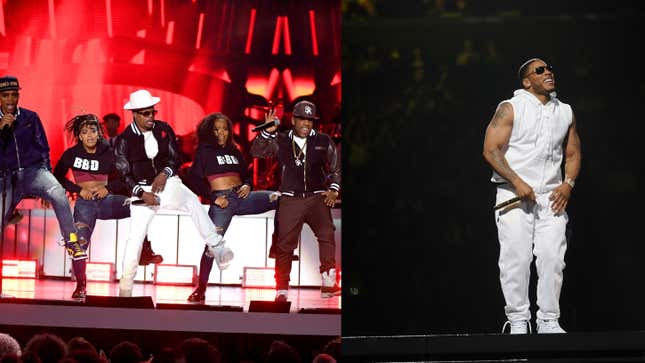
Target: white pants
<point>526,230</point>
<point>174,196</point>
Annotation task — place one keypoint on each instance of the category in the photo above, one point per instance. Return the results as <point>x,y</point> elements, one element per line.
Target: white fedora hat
<point>141,99</point>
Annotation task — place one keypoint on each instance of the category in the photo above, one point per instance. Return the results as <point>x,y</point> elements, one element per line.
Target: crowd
<point>48,347</point>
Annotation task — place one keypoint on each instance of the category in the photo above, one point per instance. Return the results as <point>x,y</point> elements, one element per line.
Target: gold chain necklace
<point>297,156</point>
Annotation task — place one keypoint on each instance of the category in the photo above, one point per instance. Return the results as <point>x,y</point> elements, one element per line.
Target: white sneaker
<point>517,327</point>
<point>281,295</point>
<point>549,326</point>
<point>329,286</point>
<point>222,254</point>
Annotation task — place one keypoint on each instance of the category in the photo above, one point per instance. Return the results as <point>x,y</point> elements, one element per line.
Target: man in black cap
<point>25,167</point>
<point>309,185</point>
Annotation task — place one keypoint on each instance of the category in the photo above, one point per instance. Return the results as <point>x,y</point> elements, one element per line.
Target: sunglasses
<point>541,69</point>
<point>147,113</point>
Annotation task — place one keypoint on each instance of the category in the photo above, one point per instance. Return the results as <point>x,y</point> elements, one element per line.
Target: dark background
<point>421,81</point>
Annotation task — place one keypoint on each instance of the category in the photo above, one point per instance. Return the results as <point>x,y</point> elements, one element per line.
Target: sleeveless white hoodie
<point>535,149</point>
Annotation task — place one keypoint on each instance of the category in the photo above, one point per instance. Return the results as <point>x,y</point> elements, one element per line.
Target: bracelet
<point>570,182</point>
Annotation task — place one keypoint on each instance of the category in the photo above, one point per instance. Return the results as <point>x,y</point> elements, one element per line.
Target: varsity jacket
<point>24,144</point>
<point>86,166</point>
<point>212,161</point>
<point>133,163</point>
<point>319,171</point>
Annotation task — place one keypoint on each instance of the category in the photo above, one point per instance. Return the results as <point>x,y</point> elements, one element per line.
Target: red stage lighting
<point>19,268</point>
<point>200,27</point>
<point>249,36</point>
<point>170,32</point>
<point>314,38</point>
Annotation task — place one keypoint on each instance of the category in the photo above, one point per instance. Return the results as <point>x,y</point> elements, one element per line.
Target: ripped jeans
<point>86,212</point>
<point>38,182</point>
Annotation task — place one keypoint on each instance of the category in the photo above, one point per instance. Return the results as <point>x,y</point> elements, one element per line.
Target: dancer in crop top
<point>96,182</point>
<point>220,171</point>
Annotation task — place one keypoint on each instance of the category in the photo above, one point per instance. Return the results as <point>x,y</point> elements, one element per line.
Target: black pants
<point>294,212</point>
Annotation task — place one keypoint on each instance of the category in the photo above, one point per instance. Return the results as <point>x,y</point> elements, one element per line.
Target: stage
<point>48,303</point>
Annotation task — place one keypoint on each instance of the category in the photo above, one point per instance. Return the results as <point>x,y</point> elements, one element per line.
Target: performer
<point>524,144</point>
<point>25,165</point>
<point>97,184</point>
<point>146,155</point>
<point>310,183</point>
<point>221,171</point>
<point>112,122</point>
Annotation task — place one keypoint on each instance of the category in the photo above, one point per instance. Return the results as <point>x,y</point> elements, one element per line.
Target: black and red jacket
<point>87,166</point>
<point>320,171</point>
<point>132,161</point>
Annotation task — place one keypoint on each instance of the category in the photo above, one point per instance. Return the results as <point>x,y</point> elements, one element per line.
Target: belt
<point>300,194</point>
<point>234,189</point>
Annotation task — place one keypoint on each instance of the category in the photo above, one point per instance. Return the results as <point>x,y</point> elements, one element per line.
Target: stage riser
<point>71,316</point>
<point>173,235</point>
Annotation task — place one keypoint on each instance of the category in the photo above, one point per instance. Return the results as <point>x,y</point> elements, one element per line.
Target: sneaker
<point>222,254</point>
<point>148,256</point>
<point>281,295</point>
<point>75,249</point>
<point>198,296</point>
<point>518,327</point>
<point>79,292</point>
<point>329,286</point>
<point>550,326</point>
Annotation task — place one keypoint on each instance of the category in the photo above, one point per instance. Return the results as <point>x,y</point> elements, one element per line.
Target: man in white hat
<point>147,155</point>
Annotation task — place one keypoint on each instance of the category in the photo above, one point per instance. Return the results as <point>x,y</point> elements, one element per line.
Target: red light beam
<point>3,30</point>
<point>249,37</point>
<point>276,35</point>
<point>312,25</point>
<point>52,19</point>
<point>170,31</point>
<point>287,35</point>
<point>108,14</point>
<point>200,26</point>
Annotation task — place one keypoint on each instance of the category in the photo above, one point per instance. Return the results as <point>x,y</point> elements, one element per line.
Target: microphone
<point>265,125</point>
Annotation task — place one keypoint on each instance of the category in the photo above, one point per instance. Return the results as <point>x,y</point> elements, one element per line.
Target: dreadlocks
<point>74,126</point>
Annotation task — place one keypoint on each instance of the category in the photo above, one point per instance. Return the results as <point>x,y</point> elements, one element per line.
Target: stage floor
<point>61,289</point>
<point>48,303</point>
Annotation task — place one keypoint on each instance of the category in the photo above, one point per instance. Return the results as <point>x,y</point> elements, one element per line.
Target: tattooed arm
<point>498,134</point>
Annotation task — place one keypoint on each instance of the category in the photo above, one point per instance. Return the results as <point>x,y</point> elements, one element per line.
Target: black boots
<point>198,296</point>
<point>148,255</point>
<point>80,291</point>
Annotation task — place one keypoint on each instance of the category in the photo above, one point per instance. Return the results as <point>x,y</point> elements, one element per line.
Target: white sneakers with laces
<point>518,327</point>
<point>549,326</point>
